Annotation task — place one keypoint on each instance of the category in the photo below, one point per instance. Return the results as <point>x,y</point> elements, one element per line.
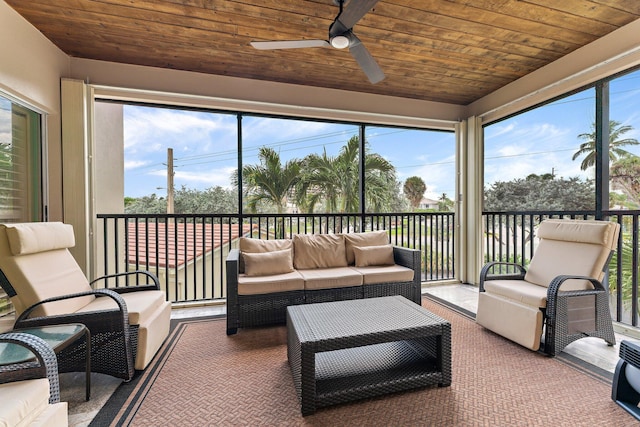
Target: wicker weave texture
<point>348,350</point>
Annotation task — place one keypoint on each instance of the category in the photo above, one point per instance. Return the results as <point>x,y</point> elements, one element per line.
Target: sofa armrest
<point>411,258</point>
<point>487,269</point>
<point>233,269</point>
<point>407,257</point>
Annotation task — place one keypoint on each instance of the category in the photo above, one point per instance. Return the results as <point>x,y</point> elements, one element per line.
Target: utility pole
<point>169,180</point>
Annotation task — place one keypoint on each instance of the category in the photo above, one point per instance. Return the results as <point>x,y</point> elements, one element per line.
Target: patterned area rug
<point>201,377</point>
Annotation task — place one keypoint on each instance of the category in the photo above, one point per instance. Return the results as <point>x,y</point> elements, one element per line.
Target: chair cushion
<point>42,275</point>
<point>55,415</point>
<point>256,285</point>
<point>582,231</point>
<point>518,290</point>
<point>325,278</point>
<point>384,274</point>
<point>318,251</point>
<point>268,263</point>
<point>23,401</point>
<point>524,324</point>
<point>140,305</point>
<point>373,255</point>
<point>555,257</point>
<point>371,238</point>
<point>30,238</point>
<point>572,247</point>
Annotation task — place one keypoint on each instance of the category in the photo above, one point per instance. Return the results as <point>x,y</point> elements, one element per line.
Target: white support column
<point>470,199</point>
<point>76,167</point>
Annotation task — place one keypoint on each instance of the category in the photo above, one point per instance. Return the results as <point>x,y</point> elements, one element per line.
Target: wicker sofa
<point>266,276</point>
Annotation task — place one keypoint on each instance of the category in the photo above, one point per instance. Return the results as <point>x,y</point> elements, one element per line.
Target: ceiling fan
<point>340,36</point>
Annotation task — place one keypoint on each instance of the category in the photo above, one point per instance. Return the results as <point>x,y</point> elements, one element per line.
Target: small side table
<point>58,337</point>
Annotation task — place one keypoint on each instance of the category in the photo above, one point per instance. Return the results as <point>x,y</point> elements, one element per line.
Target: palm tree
<point>269,182</point>
<point>588,148</point>
<point>444,203</point>
<point>414,188</point>
<point>335,179</point>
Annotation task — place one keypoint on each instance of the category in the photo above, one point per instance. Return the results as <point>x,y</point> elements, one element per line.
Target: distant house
<point>428,204</point>
<point>184,256</point>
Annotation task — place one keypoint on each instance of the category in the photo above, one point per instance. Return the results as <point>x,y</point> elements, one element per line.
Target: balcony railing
<point>188,252</point>
<point>510,236</point>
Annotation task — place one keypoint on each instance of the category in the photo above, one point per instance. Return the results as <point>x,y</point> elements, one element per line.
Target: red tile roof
<point>191,241</point>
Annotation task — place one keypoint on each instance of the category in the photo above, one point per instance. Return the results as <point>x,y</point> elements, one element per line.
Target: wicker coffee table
<point>348,350</point>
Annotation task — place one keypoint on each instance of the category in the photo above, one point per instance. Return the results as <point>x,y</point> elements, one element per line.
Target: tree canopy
<point>540,193</point>
<point>414,188</point>
<point>269,182</point>
<point>213,200</point>
<point>616,142</point>
<point>625,176</point>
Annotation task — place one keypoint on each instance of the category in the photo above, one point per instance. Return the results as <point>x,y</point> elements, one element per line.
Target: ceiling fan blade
<point>289,44</point>
<point>366,61</point>
<point>355,11</point>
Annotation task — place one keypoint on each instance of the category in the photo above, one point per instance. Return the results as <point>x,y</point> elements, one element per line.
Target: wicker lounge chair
<point>46,285</point>
<point>561,291</point>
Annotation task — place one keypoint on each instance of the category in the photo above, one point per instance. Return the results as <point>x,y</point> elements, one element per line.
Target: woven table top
<point>361,317</point>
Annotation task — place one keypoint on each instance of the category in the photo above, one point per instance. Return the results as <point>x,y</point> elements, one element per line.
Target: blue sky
<point>204,144</point>
<point>205,153</point>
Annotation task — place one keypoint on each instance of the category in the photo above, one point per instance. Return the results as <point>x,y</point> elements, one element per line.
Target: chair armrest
<point>630,353</point>
<point>147,286</point>
<point>554,289</point>
<point>554,286</point>
<point>485,273</point>
<point>24,321</point>
<point>47,363</point>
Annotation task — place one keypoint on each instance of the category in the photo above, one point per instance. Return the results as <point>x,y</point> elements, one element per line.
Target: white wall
<point>30,71</point>
<point>155,84</point>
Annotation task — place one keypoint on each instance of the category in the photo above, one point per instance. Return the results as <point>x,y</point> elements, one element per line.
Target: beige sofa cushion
<point>518,290</point>
<point>373,255</point>
<point>318,251</point>
<point>371,238</point>
<point>326,278</point>
<point>30,238</point>
<point>384,274</point>
<point>268,263</point>
<point>253,246</point>
<point>255,285</point>
<point>256,246</point>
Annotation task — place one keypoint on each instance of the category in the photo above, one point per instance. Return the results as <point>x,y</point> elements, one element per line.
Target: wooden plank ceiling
<point>453,51</point>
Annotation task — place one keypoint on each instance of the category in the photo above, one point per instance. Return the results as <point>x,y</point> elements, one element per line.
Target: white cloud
<point>154,129</point>
<point>134,164</point>
<point>198,179</point>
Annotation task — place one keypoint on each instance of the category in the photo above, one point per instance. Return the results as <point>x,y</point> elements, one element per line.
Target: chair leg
<point>622,391</point>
